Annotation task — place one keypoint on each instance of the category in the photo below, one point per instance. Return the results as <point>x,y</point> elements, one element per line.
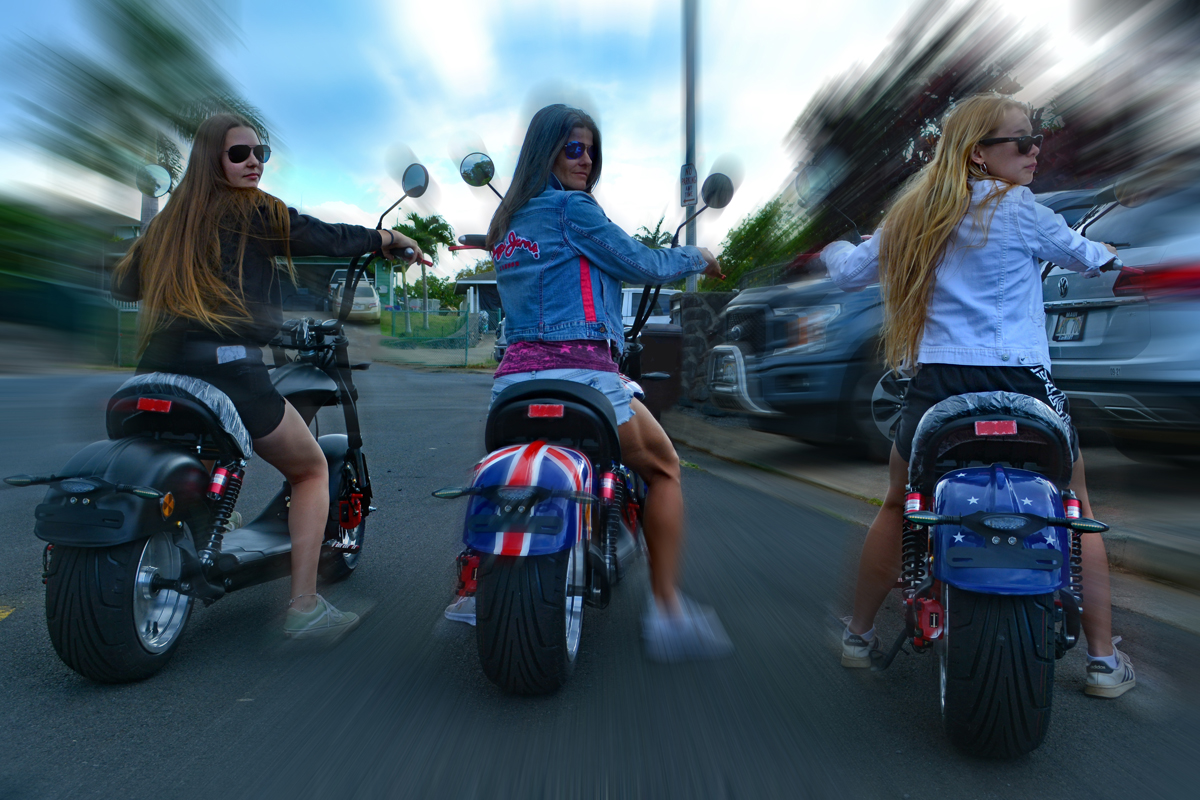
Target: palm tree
<point>138,103</point>
<point>656,239</point>
<point>428,232</point>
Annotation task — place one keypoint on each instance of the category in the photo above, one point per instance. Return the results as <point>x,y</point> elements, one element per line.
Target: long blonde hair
<point>920,222</point>
<point>178,255</point>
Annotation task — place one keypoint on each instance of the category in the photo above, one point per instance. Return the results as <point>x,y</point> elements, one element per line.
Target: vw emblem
<point>1062,287</point>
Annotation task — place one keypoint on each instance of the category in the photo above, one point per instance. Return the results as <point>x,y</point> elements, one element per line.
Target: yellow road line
<point>5,611</point>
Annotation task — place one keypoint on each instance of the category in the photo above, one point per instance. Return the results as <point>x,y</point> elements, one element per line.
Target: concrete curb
<point>1161,555</point>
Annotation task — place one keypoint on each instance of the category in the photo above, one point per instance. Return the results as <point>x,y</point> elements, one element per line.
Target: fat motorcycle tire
<point>998,660</point>
<point>520,625</point>
<point>90,614</point>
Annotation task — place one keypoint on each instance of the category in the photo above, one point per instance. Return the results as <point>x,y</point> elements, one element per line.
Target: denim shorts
<point>618,392</point>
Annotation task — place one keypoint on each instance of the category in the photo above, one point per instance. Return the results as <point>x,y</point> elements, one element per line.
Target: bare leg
<point>1097,594</point>
<point>292,450</point>
<point>879,564</point>
<point>647,450</point>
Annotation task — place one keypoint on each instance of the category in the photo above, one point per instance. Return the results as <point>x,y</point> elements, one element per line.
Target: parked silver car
<point>1125,346</point>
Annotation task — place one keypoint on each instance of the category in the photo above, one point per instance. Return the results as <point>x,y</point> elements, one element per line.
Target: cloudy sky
<point>355,90</point>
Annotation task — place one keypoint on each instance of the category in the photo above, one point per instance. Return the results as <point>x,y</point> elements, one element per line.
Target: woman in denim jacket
<point>957,259</point>
<point>559,267</point>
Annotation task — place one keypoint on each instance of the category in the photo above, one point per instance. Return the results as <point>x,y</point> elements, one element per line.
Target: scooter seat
<point>947,436</point>
<point>162,402</point>
<point>586,420</point>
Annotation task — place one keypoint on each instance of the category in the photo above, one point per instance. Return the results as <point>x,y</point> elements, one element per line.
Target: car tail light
<point>995,427</point>
<point>1164,281</point>
<point>537,410</point>
<point>152,404</point>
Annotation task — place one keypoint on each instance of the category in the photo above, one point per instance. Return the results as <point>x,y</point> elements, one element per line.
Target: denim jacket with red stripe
<point>560,266</point>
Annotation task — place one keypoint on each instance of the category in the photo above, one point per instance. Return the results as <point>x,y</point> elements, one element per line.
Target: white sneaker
<point>461,610</point>
<point>322,622</point>
<point>1104,681</point>
<point>856,651</point>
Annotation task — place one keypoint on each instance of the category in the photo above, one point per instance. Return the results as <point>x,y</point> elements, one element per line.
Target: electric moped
<point>554,516</point>
<point>992,565</point>
<point>138,525</point>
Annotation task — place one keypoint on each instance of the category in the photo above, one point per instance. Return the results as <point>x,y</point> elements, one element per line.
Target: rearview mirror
<point>717,190</point>
<point>153,180</point>
<point>477,169</point>
<point>812,184</point>
<point>415,180</point>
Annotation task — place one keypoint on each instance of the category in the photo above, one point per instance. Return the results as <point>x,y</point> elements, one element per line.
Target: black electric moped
<point>138,525</point>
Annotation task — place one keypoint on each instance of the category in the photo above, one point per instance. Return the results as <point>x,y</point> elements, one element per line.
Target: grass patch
<point>440,326</point>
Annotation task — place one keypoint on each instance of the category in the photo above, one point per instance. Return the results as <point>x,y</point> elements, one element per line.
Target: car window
<point>364,290</point>
<point>661,309</point>
<point>1157,221</point>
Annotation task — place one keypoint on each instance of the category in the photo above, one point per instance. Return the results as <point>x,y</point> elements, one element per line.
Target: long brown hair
<point>178,255</point>
<point>548,132</point>
<point>920,222</point>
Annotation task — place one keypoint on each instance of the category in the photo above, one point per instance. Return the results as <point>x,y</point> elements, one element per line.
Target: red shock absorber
<point>914,501</point>
<point>608,487</point>
<point>1071,505</point>
<point>216,487</point>
<point>468,573</point>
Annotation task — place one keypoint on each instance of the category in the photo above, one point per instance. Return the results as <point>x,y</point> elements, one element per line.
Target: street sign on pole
<point>687,185</point>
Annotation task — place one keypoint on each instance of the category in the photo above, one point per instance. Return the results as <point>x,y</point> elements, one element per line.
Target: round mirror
<point>153,180</point>
<point>477,169</point>
<point>415,181</point>
<point>717,190</point>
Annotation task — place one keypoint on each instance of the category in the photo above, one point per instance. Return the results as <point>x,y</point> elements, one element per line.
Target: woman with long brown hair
<point>205,270</point>
<point>957,260</point>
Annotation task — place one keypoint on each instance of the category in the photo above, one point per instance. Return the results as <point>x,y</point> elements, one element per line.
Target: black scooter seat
<point>245,546</point>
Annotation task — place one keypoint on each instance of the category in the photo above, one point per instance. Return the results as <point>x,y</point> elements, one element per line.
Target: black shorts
<point>934,383</point>
<point>236,369</point>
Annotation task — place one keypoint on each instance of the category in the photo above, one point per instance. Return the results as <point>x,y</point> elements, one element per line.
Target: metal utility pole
<point>689,112</point>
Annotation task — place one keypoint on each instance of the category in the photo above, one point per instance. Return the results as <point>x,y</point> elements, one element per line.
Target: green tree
<point>656,239</point>
<point>770,236</point>
<point>149,86</point>
<point>480,267</point>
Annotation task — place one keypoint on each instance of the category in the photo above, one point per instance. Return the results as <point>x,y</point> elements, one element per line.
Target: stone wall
<point>698,315</point>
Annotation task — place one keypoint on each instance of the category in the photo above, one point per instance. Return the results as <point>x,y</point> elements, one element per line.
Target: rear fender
<point>105,517</point>
<point>549,526</point>
<point>1035,563</point>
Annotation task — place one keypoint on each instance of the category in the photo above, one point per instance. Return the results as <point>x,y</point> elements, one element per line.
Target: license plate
<point>1070,326</point>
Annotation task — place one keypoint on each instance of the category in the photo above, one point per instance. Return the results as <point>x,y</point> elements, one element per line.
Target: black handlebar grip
<point>473,240</point>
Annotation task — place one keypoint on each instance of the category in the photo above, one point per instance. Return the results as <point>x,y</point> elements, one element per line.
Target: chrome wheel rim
<point>352,537</point>
<point>941,648</point>
<point>158,614</point>
<point>573,596</point>
<point>886,400</point>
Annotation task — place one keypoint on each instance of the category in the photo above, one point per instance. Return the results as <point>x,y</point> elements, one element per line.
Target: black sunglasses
<point>574,150</point>
<point>1024,143</point>
<point>240,152</point>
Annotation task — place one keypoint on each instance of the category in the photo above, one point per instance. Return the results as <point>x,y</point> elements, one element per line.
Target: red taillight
<point>1170,279</point>
<point>151,404</point>
<point>545,410</point>
<point>995,427</point>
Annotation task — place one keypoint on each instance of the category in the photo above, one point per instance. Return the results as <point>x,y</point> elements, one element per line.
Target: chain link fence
<point>438,336</point>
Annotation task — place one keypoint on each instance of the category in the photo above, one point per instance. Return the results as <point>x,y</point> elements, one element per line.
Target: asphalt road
<point>401,709</point>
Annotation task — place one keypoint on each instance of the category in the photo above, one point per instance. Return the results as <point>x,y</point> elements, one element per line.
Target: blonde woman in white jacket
<point>957,259</point>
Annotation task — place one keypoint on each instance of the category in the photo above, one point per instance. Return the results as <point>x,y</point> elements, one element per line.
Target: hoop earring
<point>984,168</point>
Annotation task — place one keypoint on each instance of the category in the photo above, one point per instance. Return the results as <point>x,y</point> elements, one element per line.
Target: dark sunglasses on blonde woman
<point>574,150</point>
<point>1024,143</point>
<point>240,152</point>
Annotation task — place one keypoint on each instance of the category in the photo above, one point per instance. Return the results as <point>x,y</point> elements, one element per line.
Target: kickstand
<point>881,661</point>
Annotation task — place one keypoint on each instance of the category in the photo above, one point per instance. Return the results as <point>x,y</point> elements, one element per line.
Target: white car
<point>366,306</point>
<point>632,298</point>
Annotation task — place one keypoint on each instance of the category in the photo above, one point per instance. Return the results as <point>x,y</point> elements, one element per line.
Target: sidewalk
<point>1164,546</point>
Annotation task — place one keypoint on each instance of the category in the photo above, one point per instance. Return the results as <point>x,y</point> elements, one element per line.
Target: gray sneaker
<point>694,634</point>
<point>461,610</point>
<point>324,621</point>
